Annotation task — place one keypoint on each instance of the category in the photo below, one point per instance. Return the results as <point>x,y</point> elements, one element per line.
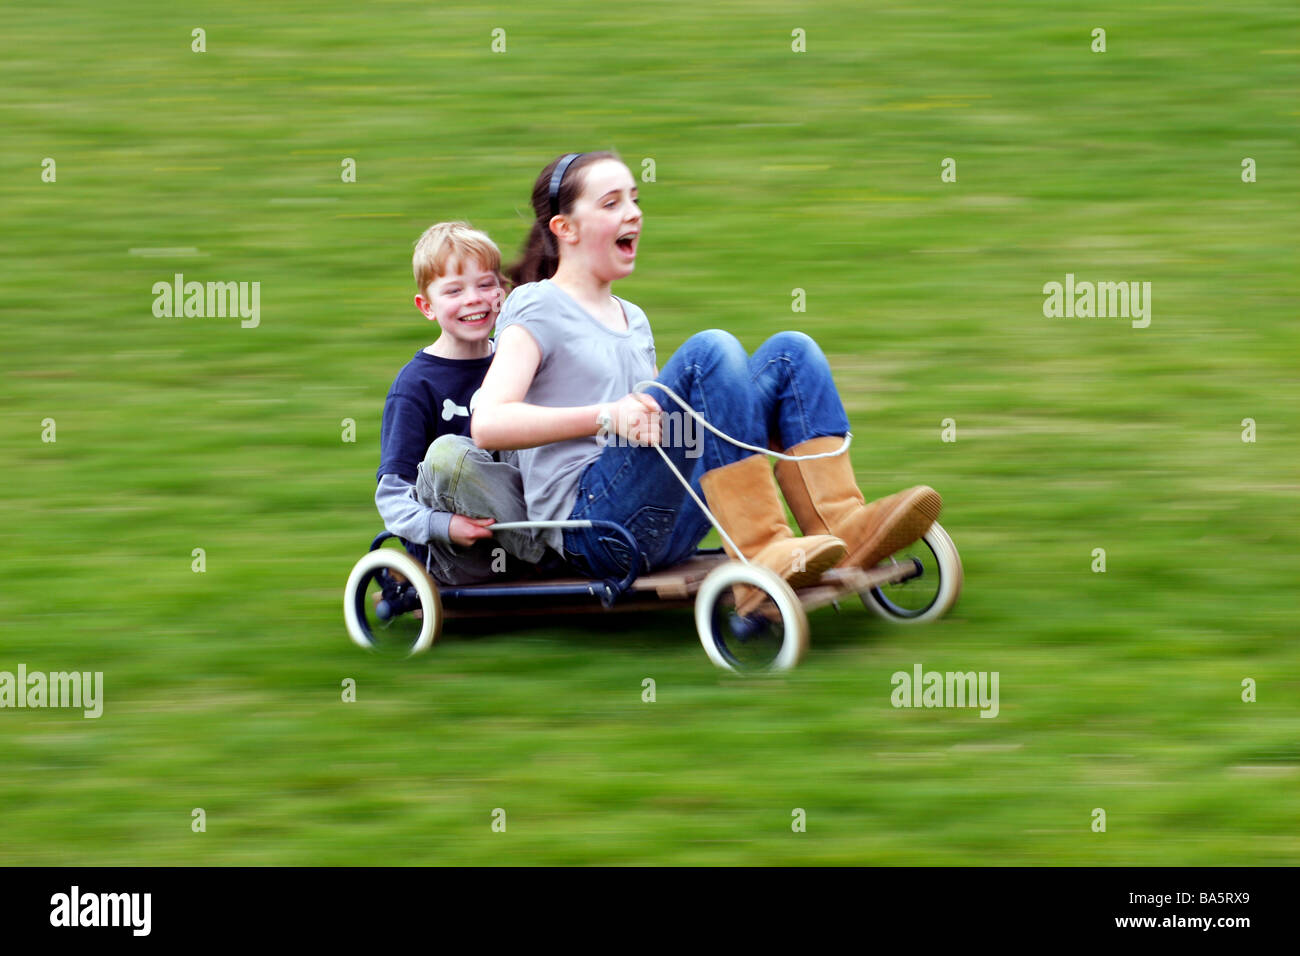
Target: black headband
<point>557,177</point>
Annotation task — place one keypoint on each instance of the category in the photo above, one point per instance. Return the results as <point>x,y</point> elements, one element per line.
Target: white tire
<point>354,597</point>
<point>792,631</point>
<point>947,562</point>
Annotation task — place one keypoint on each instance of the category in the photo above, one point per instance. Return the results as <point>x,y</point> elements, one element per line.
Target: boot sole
<point>909,522</point>
<point>818,563</point>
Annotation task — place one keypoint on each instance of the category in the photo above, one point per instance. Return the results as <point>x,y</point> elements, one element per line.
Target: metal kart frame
<point>607,590</point>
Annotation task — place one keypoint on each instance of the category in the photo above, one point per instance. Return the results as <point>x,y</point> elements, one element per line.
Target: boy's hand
<point>464,531</point>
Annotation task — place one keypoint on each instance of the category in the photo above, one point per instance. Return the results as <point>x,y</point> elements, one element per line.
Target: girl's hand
<point>636,417</point>
<point>465,531</point>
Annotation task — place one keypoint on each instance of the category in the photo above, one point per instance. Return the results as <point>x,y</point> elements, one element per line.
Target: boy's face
<point>464,301</point>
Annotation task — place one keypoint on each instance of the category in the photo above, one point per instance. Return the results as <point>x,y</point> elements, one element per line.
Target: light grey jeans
<point>458,476</point>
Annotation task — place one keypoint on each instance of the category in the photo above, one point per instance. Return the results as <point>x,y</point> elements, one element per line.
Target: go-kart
<point>391,602</point>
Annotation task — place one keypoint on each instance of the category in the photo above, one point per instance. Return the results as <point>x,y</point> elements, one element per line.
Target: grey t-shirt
<point>584,362</point>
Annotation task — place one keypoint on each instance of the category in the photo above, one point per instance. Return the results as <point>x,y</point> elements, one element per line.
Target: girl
<point>568,355</point>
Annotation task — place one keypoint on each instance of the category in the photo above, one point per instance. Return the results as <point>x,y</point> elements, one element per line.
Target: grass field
<point>775,170</point>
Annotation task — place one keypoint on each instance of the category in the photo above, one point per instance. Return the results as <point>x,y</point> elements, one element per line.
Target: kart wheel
<point>772,638</point>
<point>930,594</point>
<point>384,590</point>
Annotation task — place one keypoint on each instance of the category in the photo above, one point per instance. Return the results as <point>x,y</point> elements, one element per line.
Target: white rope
<point>522,525</point>
<point>642,386</point>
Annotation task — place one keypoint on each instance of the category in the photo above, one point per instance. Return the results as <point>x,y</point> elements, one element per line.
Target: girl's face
<point>603,228</point>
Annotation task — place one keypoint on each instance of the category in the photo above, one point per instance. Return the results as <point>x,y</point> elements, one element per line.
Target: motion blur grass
<point>775,171</point>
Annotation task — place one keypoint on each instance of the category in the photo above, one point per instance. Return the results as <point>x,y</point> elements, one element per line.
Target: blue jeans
<point>781,395</point>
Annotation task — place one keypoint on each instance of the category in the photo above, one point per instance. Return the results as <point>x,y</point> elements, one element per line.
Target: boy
<point>437,490</point>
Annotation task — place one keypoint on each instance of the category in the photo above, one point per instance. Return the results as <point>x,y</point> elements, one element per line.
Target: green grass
<point>775,171</point>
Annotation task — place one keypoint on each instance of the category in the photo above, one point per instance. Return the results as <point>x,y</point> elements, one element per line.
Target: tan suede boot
<point>824,496</point>
<point>743,497</point>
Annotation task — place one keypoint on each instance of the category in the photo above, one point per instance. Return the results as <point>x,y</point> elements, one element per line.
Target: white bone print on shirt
<point>451,409</point>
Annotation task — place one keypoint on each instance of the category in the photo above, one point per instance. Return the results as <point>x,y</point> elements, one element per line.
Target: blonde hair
<point>445,241</point>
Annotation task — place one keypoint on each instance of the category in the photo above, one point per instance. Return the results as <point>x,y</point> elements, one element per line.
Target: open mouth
<point>627,243</point>
<point>477,318</point>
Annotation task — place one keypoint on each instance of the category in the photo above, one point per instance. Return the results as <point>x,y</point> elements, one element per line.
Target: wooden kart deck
<point>674,587</point>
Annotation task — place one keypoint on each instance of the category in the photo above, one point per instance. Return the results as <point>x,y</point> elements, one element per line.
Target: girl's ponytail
<point>538,260</point>
<point>541,253</point>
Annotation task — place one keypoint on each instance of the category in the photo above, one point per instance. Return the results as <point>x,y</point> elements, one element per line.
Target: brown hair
<point>445,241</point>
<point>541,253</point>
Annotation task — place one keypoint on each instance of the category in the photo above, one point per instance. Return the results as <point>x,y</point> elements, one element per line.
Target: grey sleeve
<point>405,517</point>
<point>522,307</point>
